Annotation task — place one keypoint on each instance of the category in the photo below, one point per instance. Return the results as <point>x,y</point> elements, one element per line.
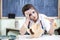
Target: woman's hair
<point>27,7</point>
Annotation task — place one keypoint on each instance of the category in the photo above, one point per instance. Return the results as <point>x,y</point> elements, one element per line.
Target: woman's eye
<point>30,14</point>
<point>33,12</point>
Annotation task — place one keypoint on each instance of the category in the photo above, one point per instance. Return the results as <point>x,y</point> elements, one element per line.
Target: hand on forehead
<point>29,11</point>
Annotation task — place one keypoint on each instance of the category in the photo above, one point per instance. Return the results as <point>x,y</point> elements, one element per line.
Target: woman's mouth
<point>34,17</point>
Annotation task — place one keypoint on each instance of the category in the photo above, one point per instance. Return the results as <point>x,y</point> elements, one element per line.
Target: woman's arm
<point>24,27</point>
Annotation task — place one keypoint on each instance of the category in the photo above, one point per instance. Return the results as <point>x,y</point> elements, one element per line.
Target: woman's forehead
<point>29,11</point>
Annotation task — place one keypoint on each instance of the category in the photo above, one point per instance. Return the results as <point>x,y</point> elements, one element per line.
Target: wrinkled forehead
<point>29,11</point>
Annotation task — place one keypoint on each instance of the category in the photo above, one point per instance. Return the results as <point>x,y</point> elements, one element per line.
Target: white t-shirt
<point>45,22</point>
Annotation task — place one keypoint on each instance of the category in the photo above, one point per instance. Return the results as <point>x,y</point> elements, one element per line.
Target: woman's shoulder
<point>42,15</point>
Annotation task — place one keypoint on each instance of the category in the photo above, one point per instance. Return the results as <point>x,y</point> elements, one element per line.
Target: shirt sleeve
<point>45,22</point>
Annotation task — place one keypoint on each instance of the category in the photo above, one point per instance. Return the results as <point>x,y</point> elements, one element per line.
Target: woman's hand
<point>27,19</point>
<point>23,30</point>
<point>27,16</point>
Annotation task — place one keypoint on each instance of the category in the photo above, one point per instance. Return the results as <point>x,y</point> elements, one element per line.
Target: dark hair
<point>27,7</point>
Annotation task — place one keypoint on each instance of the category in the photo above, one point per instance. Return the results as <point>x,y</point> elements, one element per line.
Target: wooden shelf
<point>58,8</point>
<point>0,8</point>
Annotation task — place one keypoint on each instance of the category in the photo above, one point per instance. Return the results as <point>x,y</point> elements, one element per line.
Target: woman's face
<point>32,14</point>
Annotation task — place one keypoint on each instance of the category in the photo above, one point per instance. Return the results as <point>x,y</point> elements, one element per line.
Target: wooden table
<point>11,29</point>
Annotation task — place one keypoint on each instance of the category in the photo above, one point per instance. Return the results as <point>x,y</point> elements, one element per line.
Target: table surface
<point>44,37</point>
<point>13,28</point>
